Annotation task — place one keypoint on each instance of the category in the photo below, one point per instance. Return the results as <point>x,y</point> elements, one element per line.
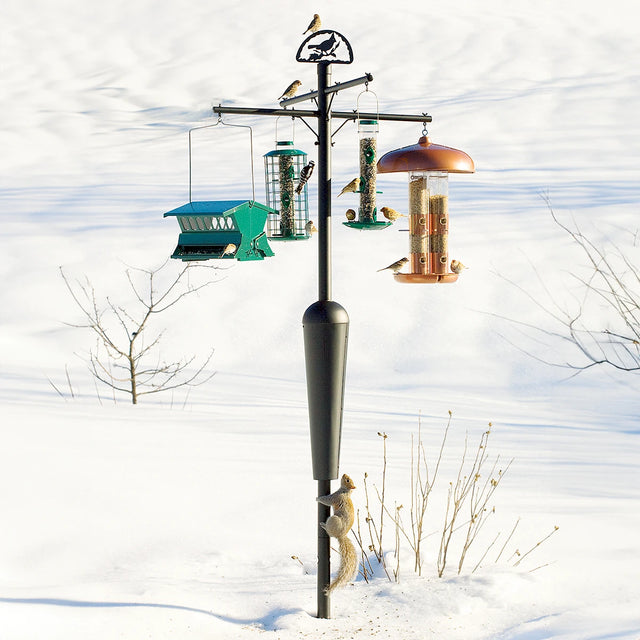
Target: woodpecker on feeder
<point>310,227</point>
<point>391,214</point>
<point>351,214</point>
<point>352,187</point>
<point>314,25</point>
<point>305,174</point>
<point>457,266</point>
<point>396,266</point>
<point>290,91</point>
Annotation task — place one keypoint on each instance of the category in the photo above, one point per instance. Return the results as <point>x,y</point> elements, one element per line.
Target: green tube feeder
<point>367,212</point>
<point>289,203</point>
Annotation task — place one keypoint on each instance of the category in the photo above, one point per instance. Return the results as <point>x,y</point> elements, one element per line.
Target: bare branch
<point>121,343</point>
<point>612,287</point>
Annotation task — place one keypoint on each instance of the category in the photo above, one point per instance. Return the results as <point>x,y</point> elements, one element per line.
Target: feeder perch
<point>290,210</point>
<point>367,212</point>
<point>428,166</point>
<point>222,229</point>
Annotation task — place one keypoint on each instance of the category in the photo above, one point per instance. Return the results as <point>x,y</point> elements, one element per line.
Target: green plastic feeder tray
<point>222,230</point>
<point>355,224</point>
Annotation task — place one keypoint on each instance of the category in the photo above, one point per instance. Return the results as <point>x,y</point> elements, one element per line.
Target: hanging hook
<point>225,124</point>
<point>374,94</point>
<point>425,131</point>
<point>293,127</point>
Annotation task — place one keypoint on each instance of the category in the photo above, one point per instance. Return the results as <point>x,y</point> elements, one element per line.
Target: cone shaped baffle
<point>326,327</point>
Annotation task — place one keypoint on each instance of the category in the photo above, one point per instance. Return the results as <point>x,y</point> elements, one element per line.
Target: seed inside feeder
<point>368,173</point>
<point>418,224</point>
<point>286,175</point>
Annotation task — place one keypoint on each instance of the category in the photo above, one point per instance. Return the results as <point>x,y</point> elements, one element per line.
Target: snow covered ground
<point>179,517</point>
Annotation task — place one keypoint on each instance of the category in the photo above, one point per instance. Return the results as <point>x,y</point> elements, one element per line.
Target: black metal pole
<point>324,183</point>
<point>324,293</point>
<point>324,553</point>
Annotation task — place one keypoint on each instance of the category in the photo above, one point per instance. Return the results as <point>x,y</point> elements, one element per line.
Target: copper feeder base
<point>425,278</point>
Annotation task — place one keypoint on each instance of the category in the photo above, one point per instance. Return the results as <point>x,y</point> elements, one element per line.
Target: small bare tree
<point>126,357</point>
<point>602,323</point>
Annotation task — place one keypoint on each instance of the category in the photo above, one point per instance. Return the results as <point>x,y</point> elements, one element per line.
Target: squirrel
<point>338,526</point>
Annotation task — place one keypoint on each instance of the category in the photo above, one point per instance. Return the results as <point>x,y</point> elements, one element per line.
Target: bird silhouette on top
<point>326,47</point>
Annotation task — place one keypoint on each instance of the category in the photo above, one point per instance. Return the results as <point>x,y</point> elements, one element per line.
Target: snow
<point>179,517</point>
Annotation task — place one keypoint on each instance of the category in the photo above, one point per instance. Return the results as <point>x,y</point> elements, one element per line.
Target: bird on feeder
<point>391,214</point>
<point>290,91</point>
<point>314,25</point>
<point>229,250</point>
<point>352,187</point>
<point>305,174</point>
<point>457,266</point>
<point>396,266</point>
<point>351,214</point>
<point>310,227</point>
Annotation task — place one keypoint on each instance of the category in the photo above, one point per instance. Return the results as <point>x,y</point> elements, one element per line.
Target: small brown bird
<point>391,214</point>
<point>352,187</point>
<point>457,266</point>
<point>351,214</point>
<point>396,266</point>
<point>314,25</point>
<point>229,250</point>
<point>290,91</point>
<point>310,227</point>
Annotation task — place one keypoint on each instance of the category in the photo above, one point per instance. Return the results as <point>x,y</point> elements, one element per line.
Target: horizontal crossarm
<point>309,113</point>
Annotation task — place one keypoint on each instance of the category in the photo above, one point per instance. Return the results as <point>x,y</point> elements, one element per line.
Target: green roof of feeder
<point>215,207</point>
<point>285,150</point>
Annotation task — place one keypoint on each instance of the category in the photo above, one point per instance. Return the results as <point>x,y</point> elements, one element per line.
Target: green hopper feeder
<point>222,229</point>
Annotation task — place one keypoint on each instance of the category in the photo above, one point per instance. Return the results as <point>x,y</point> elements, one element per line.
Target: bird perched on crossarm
<point>352,187</point>
<point>290,91</point>
<point>457,266</point>
<point>391,214</point>
<point>351,214</point>
<point>305,174</point>
<point>314,25</point>
<point>396,266</point>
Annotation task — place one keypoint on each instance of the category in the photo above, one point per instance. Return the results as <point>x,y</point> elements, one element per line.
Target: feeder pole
<point>325,322</point>
<point>324,183</point>
<point>324,293</point>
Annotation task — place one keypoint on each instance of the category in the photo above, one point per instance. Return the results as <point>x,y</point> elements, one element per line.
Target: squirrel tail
<point>348,565</point>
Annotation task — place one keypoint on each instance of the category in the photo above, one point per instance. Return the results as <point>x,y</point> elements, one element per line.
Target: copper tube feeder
<point>428,166</point>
